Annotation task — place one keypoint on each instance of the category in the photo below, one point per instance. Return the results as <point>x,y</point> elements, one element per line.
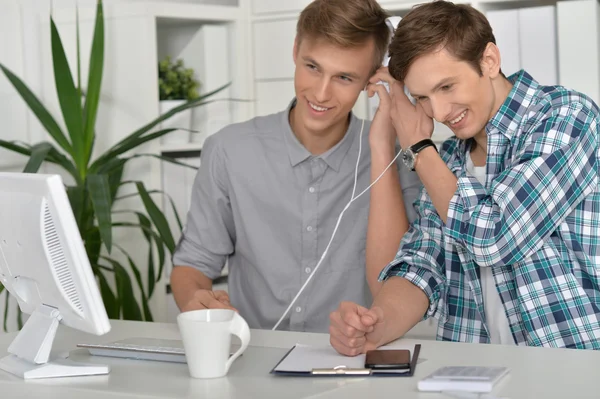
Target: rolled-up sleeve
<point>208,236</point>
<point>420,258</point>
<point>553,172</point>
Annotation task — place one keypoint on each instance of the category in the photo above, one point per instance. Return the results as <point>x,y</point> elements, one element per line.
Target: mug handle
<point>240,328</point>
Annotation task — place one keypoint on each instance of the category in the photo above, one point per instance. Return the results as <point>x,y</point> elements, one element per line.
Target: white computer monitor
<point>44,265</point>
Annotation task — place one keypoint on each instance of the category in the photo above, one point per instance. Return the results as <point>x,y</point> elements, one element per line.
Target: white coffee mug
<point>206,336</point>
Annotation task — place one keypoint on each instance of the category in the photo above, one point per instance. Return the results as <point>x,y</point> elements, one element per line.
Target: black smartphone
<point>388,359</point>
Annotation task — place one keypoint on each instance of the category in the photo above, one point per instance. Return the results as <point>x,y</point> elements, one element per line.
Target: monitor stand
<point>30,350</point>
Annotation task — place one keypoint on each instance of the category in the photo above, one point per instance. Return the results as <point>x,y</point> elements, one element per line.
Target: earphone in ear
<point>392,23</point>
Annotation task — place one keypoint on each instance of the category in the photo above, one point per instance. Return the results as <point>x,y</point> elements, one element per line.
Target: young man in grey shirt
<point>270,190</point>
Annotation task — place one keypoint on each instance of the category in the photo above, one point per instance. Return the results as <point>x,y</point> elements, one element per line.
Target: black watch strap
<point>421,145</point>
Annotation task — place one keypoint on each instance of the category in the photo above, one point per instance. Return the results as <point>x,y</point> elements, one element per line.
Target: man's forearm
<point>438,180</point>
<point>185,281</point>
<point>403,305</point>
<point>387,216</point>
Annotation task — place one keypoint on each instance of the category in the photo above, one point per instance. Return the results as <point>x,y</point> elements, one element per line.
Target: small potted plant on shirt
<point>177,85</point>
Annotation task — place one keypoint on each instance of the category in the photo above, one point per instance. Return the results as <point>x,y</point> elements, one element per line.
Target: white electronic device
<point>140,348</point>
<point>44,265</point>
<point>463,379</point>
<point>166,350</point>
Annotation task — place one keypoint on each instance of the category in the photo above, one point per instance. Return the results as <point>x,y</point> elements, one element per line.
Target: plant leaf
<point>157,238</point>
<point>93,244</point>
<point>131,145</point>
<point>151,280</point>
<point>39,110</point>
<point>99,190</point>
<point>138,278</point>
<point>190,104</point>
<point>158,218</point>
<point>68,97</point>
<point>136,194</point>
<point>174,209</point>
<point>19,318</point>
<point>144,221</point>
<point>129,305</point>
<point>166,159</point>
<point>146,128</point>
<point>7,300</point>
<point>58,158</point>
<point>9,145</point>
<point>39,153</point>
<point>92,98</point>
<point>114,170</point>
<point>77,198</point>
<point>149,234</point>
<point>54,155</point>
<point>5,312</point>
<point>78,51</point>
<point>111,302</point>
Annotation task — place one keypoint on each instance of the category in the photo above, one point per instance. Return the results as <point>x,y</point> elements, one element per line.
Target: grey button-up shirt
<point>261,200</point>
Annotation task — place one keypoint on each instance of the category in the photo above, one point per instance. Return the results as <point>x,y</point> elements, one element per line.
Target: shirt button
<point>307,270</point>
<point>309,228</point>
<point>312,189</point>
<point>298,309</point>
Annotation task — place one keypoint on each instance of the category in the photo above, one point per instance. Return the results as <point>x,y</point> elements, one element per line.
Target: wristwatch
<point>409,156</point>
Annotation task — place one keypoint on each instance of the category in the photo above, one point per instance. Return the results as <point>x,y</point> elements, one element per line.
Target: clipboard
<point>324,361</point>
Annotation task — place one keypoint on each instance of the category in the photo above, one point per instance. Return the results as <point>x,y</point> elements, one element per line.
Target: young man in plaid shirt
<point>506,246</point>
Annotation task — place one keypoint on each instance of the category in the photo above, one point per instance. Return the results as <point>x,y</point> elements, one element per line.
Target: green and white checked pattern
<point>536,223</point>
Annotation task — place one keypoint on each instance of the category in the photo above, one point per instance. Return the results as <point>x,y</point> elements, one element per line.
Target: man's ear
<point>491,61</point>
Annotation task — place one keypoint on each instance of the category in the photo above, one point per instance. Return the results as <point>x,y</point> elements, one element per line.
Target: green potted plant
<point>98,182</point>
<point>176,85</point>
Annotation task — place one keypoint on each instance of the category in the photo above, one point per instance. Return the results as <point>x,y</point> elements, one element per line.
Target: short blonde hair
<point>347,24</point>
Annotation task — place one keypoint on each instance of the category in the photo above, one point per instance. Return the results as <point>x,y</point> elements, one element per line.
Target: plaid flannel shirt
<point>536,223</point>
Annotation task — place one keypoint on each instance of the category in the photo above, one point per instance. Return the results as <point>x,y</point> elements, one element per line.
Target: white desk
<point>535,372</point>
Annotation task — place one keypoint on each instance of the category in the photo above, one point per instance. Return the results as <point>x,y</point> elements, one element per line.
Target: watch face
<point>409,159</point>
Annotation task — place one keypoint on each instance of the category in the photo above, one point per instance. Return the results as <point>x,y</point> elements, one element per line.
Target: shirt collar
<point>332,157</point>
<point>511,112</point>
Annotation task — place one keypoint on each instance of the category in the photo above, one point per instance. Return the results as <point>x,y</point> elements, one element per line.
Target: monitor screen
<point>43,264</point>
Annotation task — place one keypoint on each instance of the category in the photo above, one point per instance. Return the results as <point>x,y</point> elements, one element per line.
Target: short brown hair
<point>459,28</point>
<point>347,24</point>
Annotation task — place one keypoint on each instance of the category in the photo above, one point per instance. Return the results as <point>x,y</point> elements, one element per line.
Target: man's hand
<point>207,299</point>
<point>411,122</point>
<point>382,131</point>
<point>355,329</point>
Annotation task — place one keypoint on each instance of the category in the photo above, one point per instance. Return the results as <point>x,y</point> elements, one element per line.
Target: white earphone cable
<point>352,199</point>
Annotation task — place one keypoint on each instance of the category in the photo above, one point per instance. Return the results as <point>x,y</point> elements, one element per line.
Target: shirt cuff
<point>470,192</point>
<point>418,276</point>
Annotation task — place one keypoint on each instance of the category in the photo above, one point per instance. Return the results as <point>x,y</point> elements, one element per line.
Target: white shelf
<point>201,12</point>
<point>178,12</point>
